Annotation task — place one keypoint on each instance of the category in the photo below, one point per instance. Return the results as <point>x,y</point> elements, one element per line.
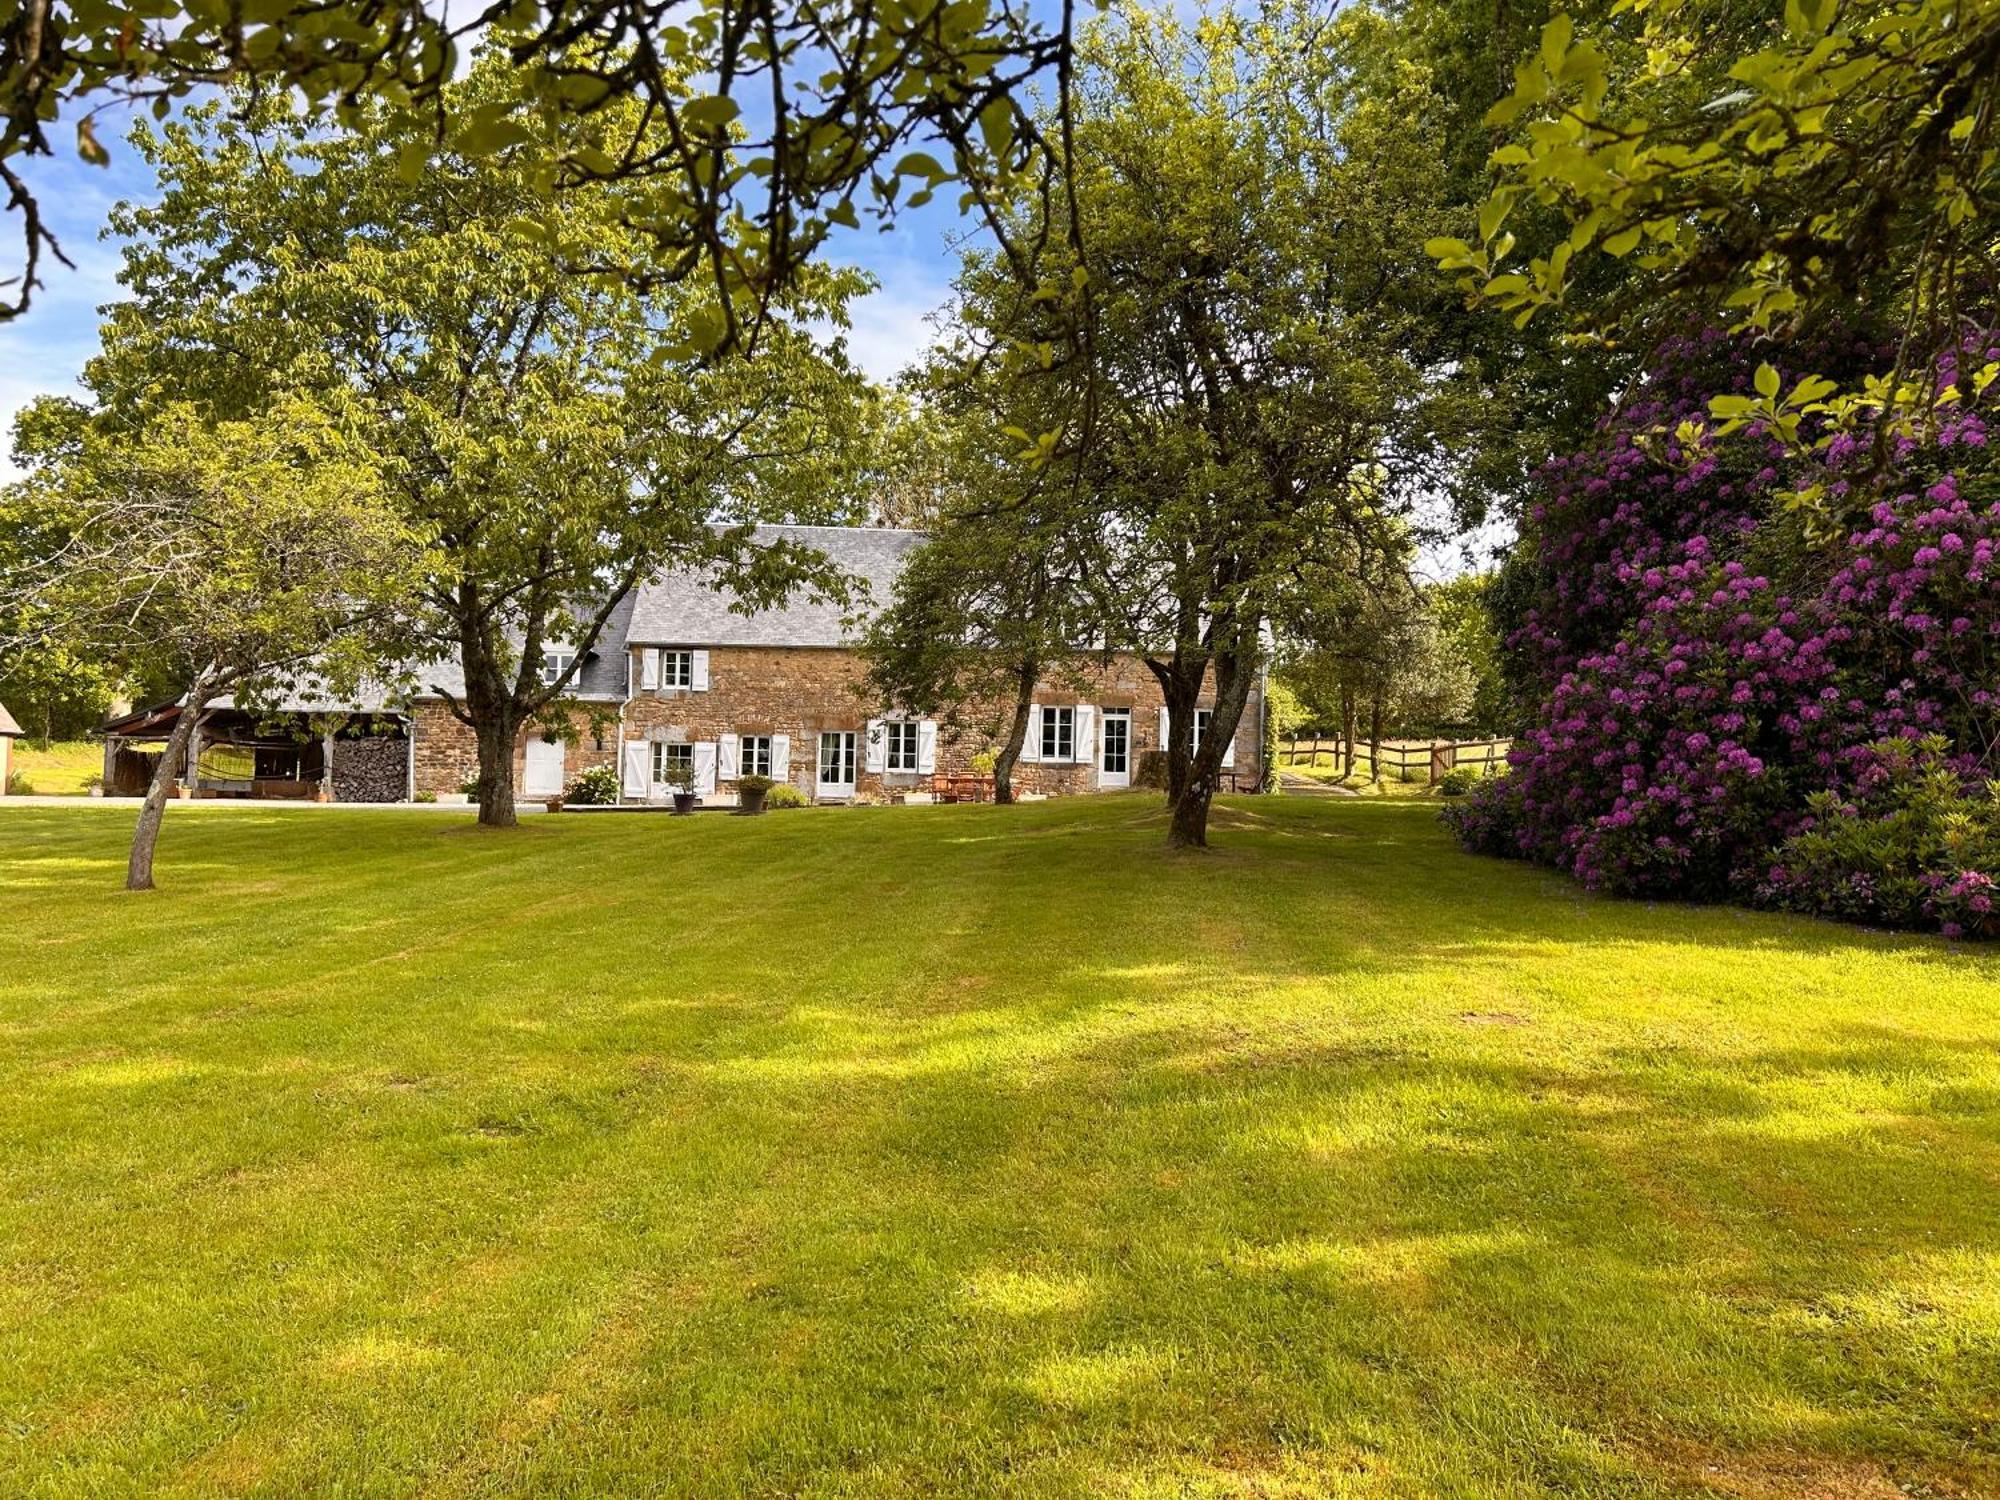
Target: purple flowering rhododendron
<point>1716,679</point>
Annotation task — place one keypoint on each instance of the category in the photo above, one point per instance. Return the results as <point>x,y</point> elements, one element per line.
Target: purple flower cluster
<point>1707,665</point>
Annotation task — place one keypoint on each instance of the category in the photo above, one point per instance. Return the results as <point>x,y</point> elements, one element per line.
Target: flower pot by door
<point>750,801</point>
<point>684,803</point>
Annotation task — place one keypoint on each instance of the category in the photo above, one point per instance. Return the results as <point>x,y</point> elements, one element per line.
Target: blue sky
<point>45,352</point>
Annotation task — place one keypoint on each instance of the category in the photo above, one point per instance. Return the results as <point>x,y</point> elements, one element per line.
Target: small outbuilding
<point>9,732</point>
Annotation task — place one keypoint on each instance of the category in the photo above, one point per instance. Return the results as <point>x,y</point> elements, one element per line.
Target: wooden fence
<point>1430,758</point>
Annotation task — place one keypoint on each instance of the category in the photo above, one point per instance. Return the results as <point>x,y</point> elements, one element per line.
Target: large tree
<point>1246,391</point>
<point>992,604</point>
<point>214,554</point>
<point>551,433</point>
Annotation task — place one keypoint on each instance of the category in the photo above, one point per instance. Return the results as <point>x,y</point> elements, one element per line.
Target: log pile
<point>375,768</point>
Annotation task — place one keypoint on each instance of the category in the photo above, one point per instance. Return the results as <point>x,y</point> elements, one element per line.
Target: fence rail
<point>1432,757</point>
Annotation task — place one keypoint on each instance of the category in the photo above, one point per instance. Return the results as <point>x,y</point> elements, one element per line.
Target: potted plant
<point>750,793</point>
<point>681,779</point>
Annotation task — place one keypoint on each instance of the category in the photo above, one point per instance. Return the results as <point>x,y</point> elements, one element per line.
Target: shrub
<point>1458,781</point>
<point>784,794</point>
<point>1723,635</point>
<point>1488,820</point>
<point>425,797</point>
<point>754,784</point>
<point>1912,845</point>
<point>1151,770</point>
<point>470,786</point>
<point>18,785</point>
<point>595,787</point>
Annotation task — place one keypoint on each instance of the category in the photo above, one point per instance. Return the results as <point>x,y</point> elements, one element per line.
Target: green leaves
<point>1763,184</point>
<point>489,129</point>
<point>87,145</point>
<point>711,114</point>
<point>845,89</point>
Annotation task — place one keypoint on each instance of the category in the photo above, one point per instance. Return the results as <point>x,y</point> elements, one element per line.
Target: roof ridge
<point>820,526</point>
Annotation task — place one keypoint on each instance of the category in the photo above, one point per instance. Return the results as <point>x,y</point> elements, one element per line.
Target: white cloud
<point>891,326</point>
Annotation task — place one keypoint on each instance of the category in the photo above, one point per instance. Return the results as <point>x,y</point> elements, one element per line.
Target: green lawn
<point>64,768</point>
<point>942,1151</point>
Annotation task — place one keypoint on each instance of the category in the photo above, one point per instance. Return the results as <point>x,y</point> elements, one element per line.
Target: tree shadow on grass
<point>1045,1165</point>
<point>1460,1271</point>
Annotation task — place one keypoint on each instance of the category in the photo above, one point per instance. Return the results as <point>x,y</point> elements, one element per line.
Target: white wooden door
<point>1114,749</point>
<point>544,773</point>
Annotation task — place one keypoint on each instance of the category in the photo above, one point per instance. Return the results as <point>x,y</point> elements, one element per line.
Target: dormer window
<point>555,662</point>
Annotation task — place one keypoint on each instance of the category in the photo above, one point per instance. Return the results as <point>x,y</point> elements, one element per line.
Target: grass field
<point>64,768</point>
<point>947,1151</point>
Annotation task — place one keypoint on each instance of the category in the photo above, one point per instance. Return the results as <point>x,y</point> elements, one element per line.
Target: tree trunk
<point>1180,689</point>
<point>495,736</point>
<point>1017,734</point>
<point>139,867</point>
<point>1375,739</point>
<point>1188,828</point>
<point>1347,725</point>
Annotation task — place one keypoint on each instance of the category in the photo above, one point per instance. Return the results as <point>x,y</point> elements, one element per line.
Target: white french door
<point>1114,749</point>
<point>836,763</point>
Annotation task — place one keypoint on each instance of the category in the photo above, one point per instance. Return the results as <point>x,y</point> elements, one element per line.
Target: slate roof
<point>7,724</point>
<point>686,607</point>
<point>679,607</point>
<point>600,678</point>
<point>303,696</point>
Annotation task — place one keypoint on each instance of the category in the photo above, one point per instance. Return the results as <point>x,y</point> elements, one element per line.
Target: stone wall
<point>372,768</point>
<point>447,754</point>
<point>803,691</point>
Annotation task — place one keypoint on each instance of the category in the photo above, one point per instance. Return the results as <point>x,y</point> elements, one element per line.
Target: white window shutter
<point>1031,746</point>
<point>700,671</point>
<point>1086,745</point>
<point>1228,750</point>
<point>727,759</point>
<point>638,768</point>
<point>877,749</point>
<point>704,768</point>
<point>926,747</point>
<point>1164,741</point>
<point>649,668</point>
<point>781,757</point>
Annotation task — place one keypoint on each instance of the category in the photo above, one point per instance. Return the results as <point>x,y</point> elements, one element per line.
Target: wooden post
<point>191,777</point>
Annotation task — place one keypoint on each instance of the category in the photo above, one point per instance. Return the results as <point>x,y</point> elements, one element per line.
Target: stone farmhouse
<point>680,679</point>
